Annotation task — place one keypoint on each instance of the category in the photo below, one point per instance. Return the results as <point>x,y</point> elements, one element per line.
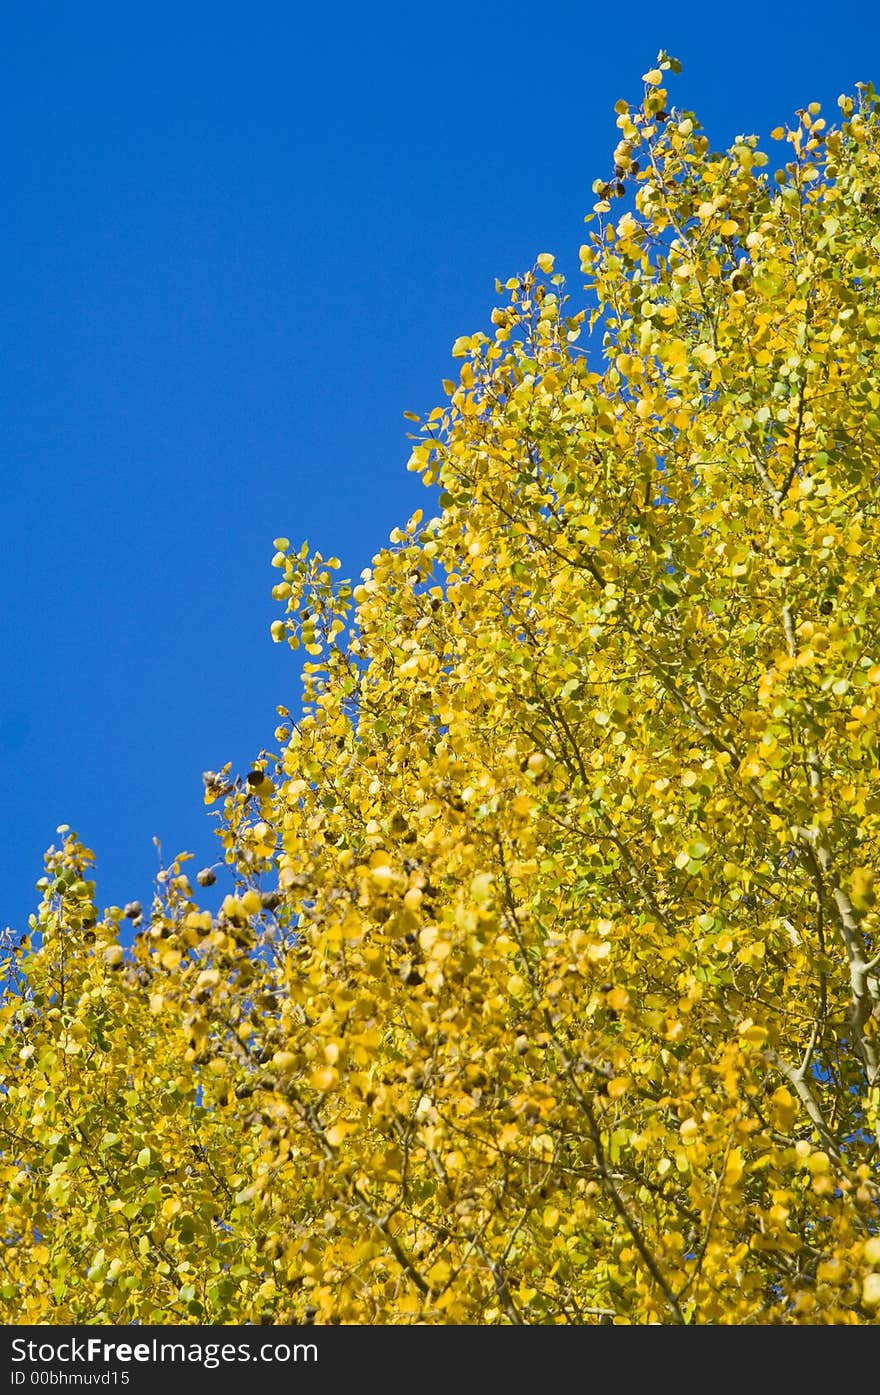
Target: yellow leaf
<point>337,1133</point>
<point>752,1032</point>
<point>871,1250</point>
<point>438,1274</point>
<point>818,1162</point>
<point>324,1078</point>
<point>481,887</point>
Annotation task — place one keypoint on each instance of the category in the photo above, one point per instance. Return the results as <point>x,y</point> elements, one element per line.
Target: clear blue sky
<point>238,243</point>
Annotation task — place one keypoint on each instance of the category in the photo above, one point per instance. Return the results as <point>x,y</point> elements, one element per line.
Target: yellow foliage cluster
<point>547,987</point>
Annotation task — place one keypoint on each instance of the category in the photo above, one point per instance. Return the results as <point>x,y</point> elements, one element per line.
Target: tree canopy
<point>546,986</point>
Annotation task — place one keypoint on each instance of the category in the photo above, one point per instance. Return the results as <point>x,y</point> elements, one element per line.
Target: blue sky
<point>239,242</point>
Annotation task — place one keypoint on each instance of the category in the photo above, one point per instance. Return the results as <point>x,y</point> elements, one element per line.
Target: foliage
<point>547,989</point>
